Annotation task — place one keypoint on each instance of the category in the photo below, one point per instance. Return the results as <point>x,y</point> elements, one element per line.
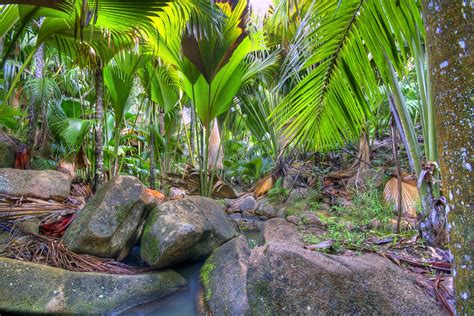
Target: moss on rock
<point>31,288</point>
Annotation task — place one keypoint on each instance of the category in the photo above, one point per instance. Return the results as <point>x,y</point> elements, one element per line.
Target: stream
<point>184,302</point>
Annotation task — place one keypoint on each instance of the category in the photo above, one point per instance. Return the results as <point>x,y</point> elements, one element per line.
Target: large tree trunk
<point>99,116</point>
<point>449,27</point>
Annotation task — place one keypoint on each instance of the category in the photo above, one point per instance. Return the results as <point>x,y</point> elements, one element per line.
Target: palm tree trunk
<point>99,117</point>
<point>449,26</point>
<point>152,148</point>
<point>32,115</point>
<point>192,131</point>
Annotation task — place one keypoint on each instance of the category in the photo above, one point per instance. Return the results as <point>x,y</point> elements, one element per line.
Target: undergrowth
<point>350,226</point>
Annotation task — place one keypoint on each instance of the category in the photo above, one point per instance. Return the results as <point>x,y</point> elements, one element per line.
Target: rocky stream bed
<point>197,260</point>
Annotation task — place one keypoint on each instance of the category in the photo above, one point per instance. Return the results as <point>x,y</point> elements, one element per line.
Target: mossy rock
<point>283,279</point>
<point>109,225</point>
<point>184,230</point>
<point>224,276</point>
<point>31,288</point>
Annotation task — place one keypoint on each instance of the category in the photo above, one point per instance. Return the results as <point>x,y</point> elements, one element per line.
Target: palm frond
<point>43,91</point>
<point>330,104</point>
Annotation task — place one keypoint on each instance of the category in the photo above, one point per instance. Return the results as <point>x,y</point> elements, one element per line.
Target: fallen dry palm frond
<point>263,185</point>
<point>19,208</point>
<point>223,190</point>
<point>50,251</point>
<point>410,196</point>
<point>190,182</point>
<point>424,261</point>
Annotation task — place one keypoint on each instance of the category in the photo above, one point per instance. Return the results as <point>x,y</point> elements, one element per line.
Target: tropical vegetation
<point>215,94</point>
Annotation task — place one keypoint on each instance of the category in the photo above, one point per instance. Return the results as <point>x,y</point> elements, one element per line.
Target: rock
<point>309,218</point>
<point>108,226</point>
<point>325,207</point>
<point>265,208</point>
<point>293,219</point>
<point>367,178</point>
<point>248,214</point>
<point>296,195</point>
<point>229,202</point>
<point>7,151</point>
<point>247,223</point>
<point>224,277</point>
<point>184,230</point>
<point>32,288</point>
<point>284,279</point>
<point>45,184</point>
<point>248,205</point>
<point>279,230</point>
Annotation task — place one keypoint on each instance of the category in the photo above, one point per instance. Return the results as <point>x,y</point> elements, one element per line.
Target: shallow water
<point>185,302</point>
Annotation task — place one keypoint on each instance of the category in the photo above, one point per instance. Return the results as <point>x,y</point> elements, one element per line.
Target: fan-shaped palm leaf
<point>68,130</point>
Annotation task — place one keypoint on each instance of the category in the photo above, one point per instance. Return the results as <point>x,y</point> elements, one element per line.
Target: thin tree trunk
<point>166,153</point>
<point>449,26</point>
<point>99,117</point>
<point>192,132</point>
<point>152,148</point>
<point>32,115</point>
<point>399,173</point>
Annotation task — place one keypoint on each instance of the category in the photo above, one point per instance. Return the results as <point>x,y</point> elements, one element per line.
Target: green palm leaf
<point>332,102</point>
<point>69,131</point>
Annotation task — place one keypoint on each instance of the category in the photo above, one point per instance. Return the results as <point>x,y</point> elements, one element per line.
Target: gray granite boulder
<point>184,230</point>
<point>109,225</point>
<point>279,230</point>
<point>28,288</point>
<point>287,280</point>
<point>45,184</point>
<point>224,277</point>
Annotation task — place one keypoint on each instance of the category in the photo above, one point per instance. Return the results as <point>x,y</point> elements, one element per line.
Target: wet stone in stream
<point>184,302</point>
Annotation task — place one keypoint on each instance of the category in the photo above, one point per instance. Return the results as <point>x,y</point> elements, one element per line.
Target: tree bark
<point>152,148</point>
<point>99,117</point>
<point>449,40</point>
<point>192,131</point>
<point>32,113</point>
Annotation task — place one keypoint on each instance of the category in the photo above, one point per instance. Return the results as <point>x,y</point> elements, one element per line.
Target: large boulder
<point>109,225</point>
<point>224,277</point>
<point>184,230</point>
<point>45,184</point>
<point>31,288</point>
<point>287,280</point>
<point>7,151</point>
<point>279,230</point>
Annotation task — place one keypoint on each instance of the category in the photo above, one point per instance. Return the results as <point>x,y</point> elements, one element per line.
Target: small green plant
<point>205,275</point>
<point>278,193</point>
